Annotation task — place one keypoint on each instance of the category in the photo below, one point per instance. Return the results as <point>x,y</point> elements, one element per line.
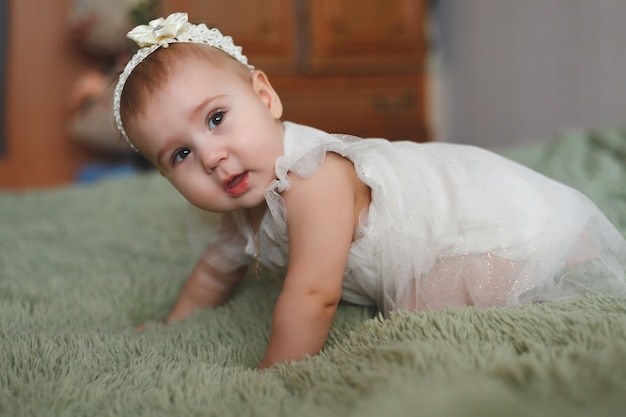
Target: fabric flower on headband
<point>160,31</point>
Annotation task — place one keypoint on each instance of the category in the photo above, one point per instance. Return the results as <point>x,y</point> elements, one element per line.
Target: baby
<point>387,224</point>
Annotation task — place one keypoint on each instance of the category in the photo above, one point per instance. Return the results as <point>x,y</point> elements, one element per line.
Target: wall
<point>42,64</point>
<point>3,57</point>
<point>518,71</point>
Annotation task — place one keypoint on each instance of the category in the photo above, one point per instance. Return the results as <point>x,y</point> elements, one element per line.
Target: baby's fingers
<point>142,327</point>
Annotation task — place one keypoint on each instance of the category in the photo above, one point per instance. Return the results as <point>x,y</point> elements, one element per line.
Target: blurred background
<point>518,71</point>
<point>486,72</point>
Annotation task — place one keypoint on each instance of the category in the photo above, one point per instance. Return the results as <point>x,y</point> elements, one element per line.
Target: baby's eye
<point>180,155</point>
<point>215,119</point>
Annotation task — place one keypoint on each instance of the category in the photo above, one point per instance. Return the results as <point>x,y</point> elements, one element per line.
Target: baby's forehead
<point>174,67</point>
<point>177,68</point>
<point>208,73</point>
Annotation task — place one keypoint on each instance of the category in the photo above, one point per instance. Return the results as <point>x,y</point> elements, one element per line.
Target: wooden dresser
<point>344,66</point>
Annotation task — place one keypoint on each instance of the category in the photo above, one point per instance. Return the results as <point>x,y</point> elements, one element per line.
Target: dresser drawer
<point>391,107</point>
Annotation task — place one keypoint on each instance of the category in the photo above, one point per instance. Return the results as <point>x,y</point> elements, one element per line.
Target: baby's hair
<point>152,73</point>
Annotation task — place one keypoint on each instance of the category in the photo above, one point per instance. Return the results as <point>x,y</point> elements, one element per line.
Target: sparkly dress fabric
<point>448,225</point>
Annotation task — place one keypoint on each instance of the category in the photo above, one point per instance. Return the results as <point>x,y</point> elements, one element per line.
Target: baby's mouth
<point>236,185</point>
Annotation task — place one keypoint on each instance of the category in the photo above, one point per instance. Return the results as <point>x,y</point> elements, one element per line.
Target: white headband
<point>161,33</point>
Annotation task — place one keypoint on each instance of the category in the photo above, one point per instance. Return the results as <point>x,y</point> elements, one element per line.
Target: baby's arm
<point>205,287</point>
<point>215,275</point>
<point>321,220</point>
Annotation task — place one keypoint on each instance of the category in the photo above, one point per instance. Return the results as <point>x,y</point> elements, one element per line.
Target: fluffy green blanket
<point>80,266</point>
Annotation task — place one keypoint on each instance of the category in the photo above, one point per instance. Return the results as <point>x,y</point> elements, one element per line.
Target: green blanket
<point>80,266</point>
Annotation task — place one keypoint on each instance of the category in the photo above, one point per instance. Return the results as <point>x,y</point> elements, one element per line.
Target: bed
<point>81,265</point>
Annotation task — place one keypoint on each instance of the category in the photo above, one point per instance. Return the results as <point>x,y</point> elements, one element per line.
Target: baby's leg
<point>482,280</point>
<point>583,250</point>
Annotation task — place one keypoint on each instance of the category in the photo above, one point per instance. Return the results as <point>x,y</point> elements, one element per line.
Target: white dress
<point>448,225</point>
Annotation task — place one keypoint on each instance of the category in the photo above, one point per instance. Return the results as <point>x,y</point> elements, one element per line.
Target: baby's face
<point>213,134</point>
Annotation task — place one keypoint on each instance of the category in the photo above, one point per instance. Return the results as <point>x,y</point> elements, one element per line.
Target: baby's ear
<point>269,97</point>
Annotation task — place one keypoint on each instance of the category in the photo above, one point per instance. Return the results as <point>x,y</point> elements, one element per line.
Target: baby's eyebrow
<point>161,156</point>
<point>203,105</point>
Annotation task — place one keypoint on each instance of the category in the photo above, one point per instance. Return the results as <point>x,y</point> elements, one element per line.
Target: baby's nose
<point>211,158</point>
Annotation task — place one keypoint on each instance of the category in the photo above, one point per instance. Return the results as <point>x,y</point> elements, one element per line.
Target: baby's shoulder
<point>335,173</point>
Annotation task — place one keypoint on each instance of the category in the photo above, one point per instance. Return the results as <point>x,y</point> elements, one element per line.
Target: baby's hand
<point>181,311</point>
<point>142,327</point>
